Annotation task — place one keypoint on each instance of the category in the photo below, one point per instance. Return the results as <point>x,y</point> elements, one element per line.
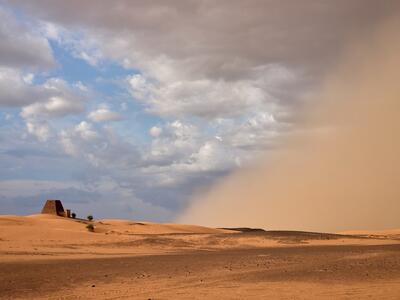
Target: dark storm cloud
<point>224,38</point>
<point>21,47</point>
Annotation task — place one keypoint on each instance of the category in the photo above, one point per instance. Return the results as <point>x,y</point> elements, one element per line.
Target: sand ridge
<point>51,237</point>
<point>48,236</point>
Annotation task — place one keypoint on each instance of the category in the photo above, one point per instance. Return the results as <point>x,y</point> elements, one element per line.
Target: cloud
<point>73,140</point>
<point>104,114</point>
<point>39,129</point>
<point>173,141</point>
<point>58,99</point>
<point>155,131</point>
<point>22,47</point>
<point>209,59</point>
<point>258,130</point>
<point>266,57</point>
<point>55,97</point>
<point>220,68</point>
<point>203,98</point>
<point>85,131</point>
<point>101,147</point>
<point>17,90</point>
<point>54,107</point>
<point>78,44</point>
<point>217,39</point>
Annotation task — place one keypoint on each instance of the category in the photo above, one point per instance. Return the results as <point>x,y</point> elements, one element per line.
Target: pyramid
<point>53,207</point>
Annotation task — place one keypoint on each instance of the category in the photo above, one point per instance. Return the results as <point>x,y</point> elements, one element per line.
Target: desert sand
<point>50,257</point>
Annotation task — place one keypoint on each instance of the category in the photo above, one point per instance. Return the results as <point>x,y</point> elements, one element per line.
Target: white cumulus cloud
<point>104,114</point>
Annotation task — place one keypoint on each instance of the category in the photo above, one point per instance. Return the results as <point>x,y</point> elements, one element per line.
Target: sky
<point>125,109</point>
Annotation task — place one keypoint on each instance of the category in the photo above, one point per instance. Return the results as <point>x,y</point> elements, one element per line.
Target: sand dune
<point>44,226</point>
<point>127,226</point>
<point>388,233</point>
<point>47,236</point>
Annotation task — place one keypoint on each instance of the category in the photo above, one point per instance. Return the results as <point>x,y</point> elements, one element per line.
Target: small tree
<point>90,227</point>
<point>73,215</point>
<point>90,217</point>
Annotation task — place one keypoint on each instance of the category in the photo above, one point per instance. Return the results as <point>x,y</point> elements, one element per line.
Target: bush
<point>90,217</point>
<point>90,227</point>
<point>73,215</point>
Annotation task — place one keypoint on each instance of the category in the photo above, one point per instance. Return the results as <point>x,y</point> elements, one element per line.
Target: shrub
<point>73,215</point>
<point>90,217</point>
<point>90,227</point>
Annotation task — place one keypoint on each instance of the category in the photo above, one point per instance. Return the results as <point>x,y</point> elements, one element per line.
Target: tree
<point>90,227</point>
<point>90,217</point>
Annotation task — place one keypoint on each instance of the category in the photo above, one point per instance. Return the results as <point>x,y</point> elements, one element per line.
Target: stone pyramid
<point>53,207</point>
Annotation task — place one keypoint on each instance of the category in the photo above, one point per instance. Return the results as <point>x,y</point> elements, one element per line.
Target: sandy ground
<point>47,257</point>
